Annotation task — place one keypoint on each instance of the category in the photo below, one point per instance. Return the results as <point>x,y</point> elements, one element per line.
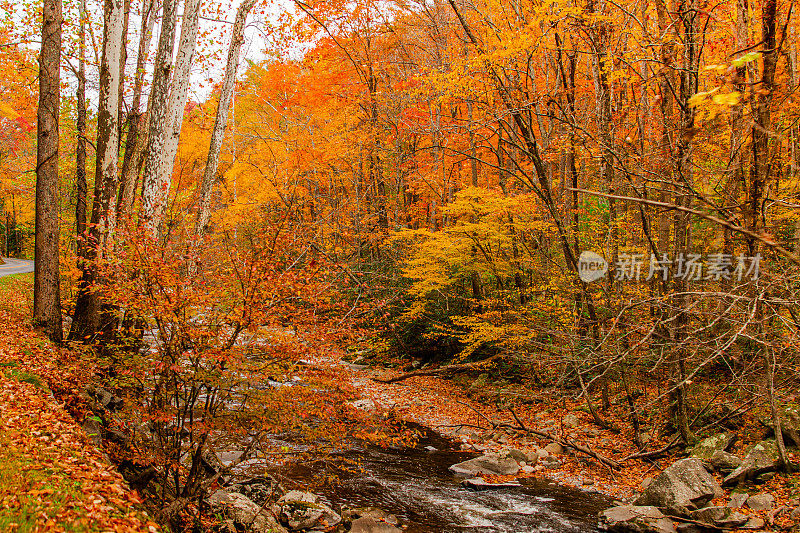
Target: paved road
<point>15,266</point>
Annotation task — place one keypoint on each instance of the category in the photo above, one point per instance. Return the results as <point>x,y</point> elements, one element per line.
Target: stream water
<point>415,484</point>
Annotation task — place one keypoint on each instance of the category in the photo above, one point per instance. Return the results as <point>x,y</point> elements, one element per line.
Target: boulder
<point>754,522</point>
<point>790,424</point>
<point>635,519</point>
<point>690,528</point>
<point>683,486</point>
<point>549,462</point>
<point>261,490</point>
<point>93,429</point>
<point>724,462</point>
<point>105,398</point>
<point>364,404</point>
<point>518,455</point>
<point>738,500</point>
<point>209,461</point>
<point>243,512</point>
<point>723,517</point>
<point>763,478</point>
<point>763,501</point>
<point>491,463</point>
<point>761,457</point>
<point>570,421</point>
<point>532,457</point>
<point>303,510</point>
<point>541,453</point>
<point>349,515</point>
<point>554,448</point>
<point>368,524</point>
<point>706,447</point>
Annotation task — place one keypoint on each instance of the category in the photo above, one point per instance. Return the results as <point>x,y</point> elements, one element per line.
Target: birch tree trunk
<point>221,120</point>
<point>153,182</point>
<point>46,284</point>
<point>136,121</point>
<point>106,177</point>
<point>180,90</point>
<point>86,320</point>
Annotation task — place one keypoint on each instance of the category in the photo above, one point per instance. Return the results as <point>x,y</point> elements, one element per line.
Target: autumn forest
<point>540,212</point>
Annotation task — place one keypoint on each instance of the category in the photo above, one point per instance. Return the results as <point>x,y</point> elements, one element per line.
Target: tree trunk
<point>136,122</point>
<point>46,284</point>
<point>80,144</point>
<point>153,183</point>
<point>221,120</point>
<point>86,321</point>
<point>683,176</point>
<point>179,92</point>
<point>760,173</point>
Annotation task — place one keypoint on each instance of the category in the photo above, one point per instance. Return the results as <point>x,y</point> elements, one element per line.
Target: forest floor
<point>51,477</point>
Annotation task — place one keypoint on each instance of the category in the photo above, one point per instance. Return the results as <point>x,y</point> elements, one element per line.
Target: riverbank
<point>451,409</point>
<point>51,477</point>
<point>446,408</point>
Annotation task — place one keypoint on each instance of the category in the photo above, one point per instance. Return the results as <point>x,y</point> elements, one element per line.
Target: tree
<point>137,122</point>
<point>221,120</point>
<point>155,185</point>
<point>87,317</point>
<point>80,141</point>
<point>47,288</point>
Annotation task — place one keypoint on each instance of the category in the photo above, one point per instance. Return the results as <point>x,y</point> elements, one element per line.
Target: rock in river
<point>303,510</point>
<point>635,519</point>
<point>368,524</point>
<point>491,463</point>
<point>243,512</point>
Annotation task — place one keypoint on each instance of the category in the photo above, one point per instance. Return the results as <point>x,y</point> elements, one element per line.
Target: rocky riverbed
<point>414,489</point>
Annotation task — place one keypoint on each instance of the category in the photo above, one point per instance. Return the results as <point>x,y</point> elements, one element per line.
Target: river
<point>416,486</point>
